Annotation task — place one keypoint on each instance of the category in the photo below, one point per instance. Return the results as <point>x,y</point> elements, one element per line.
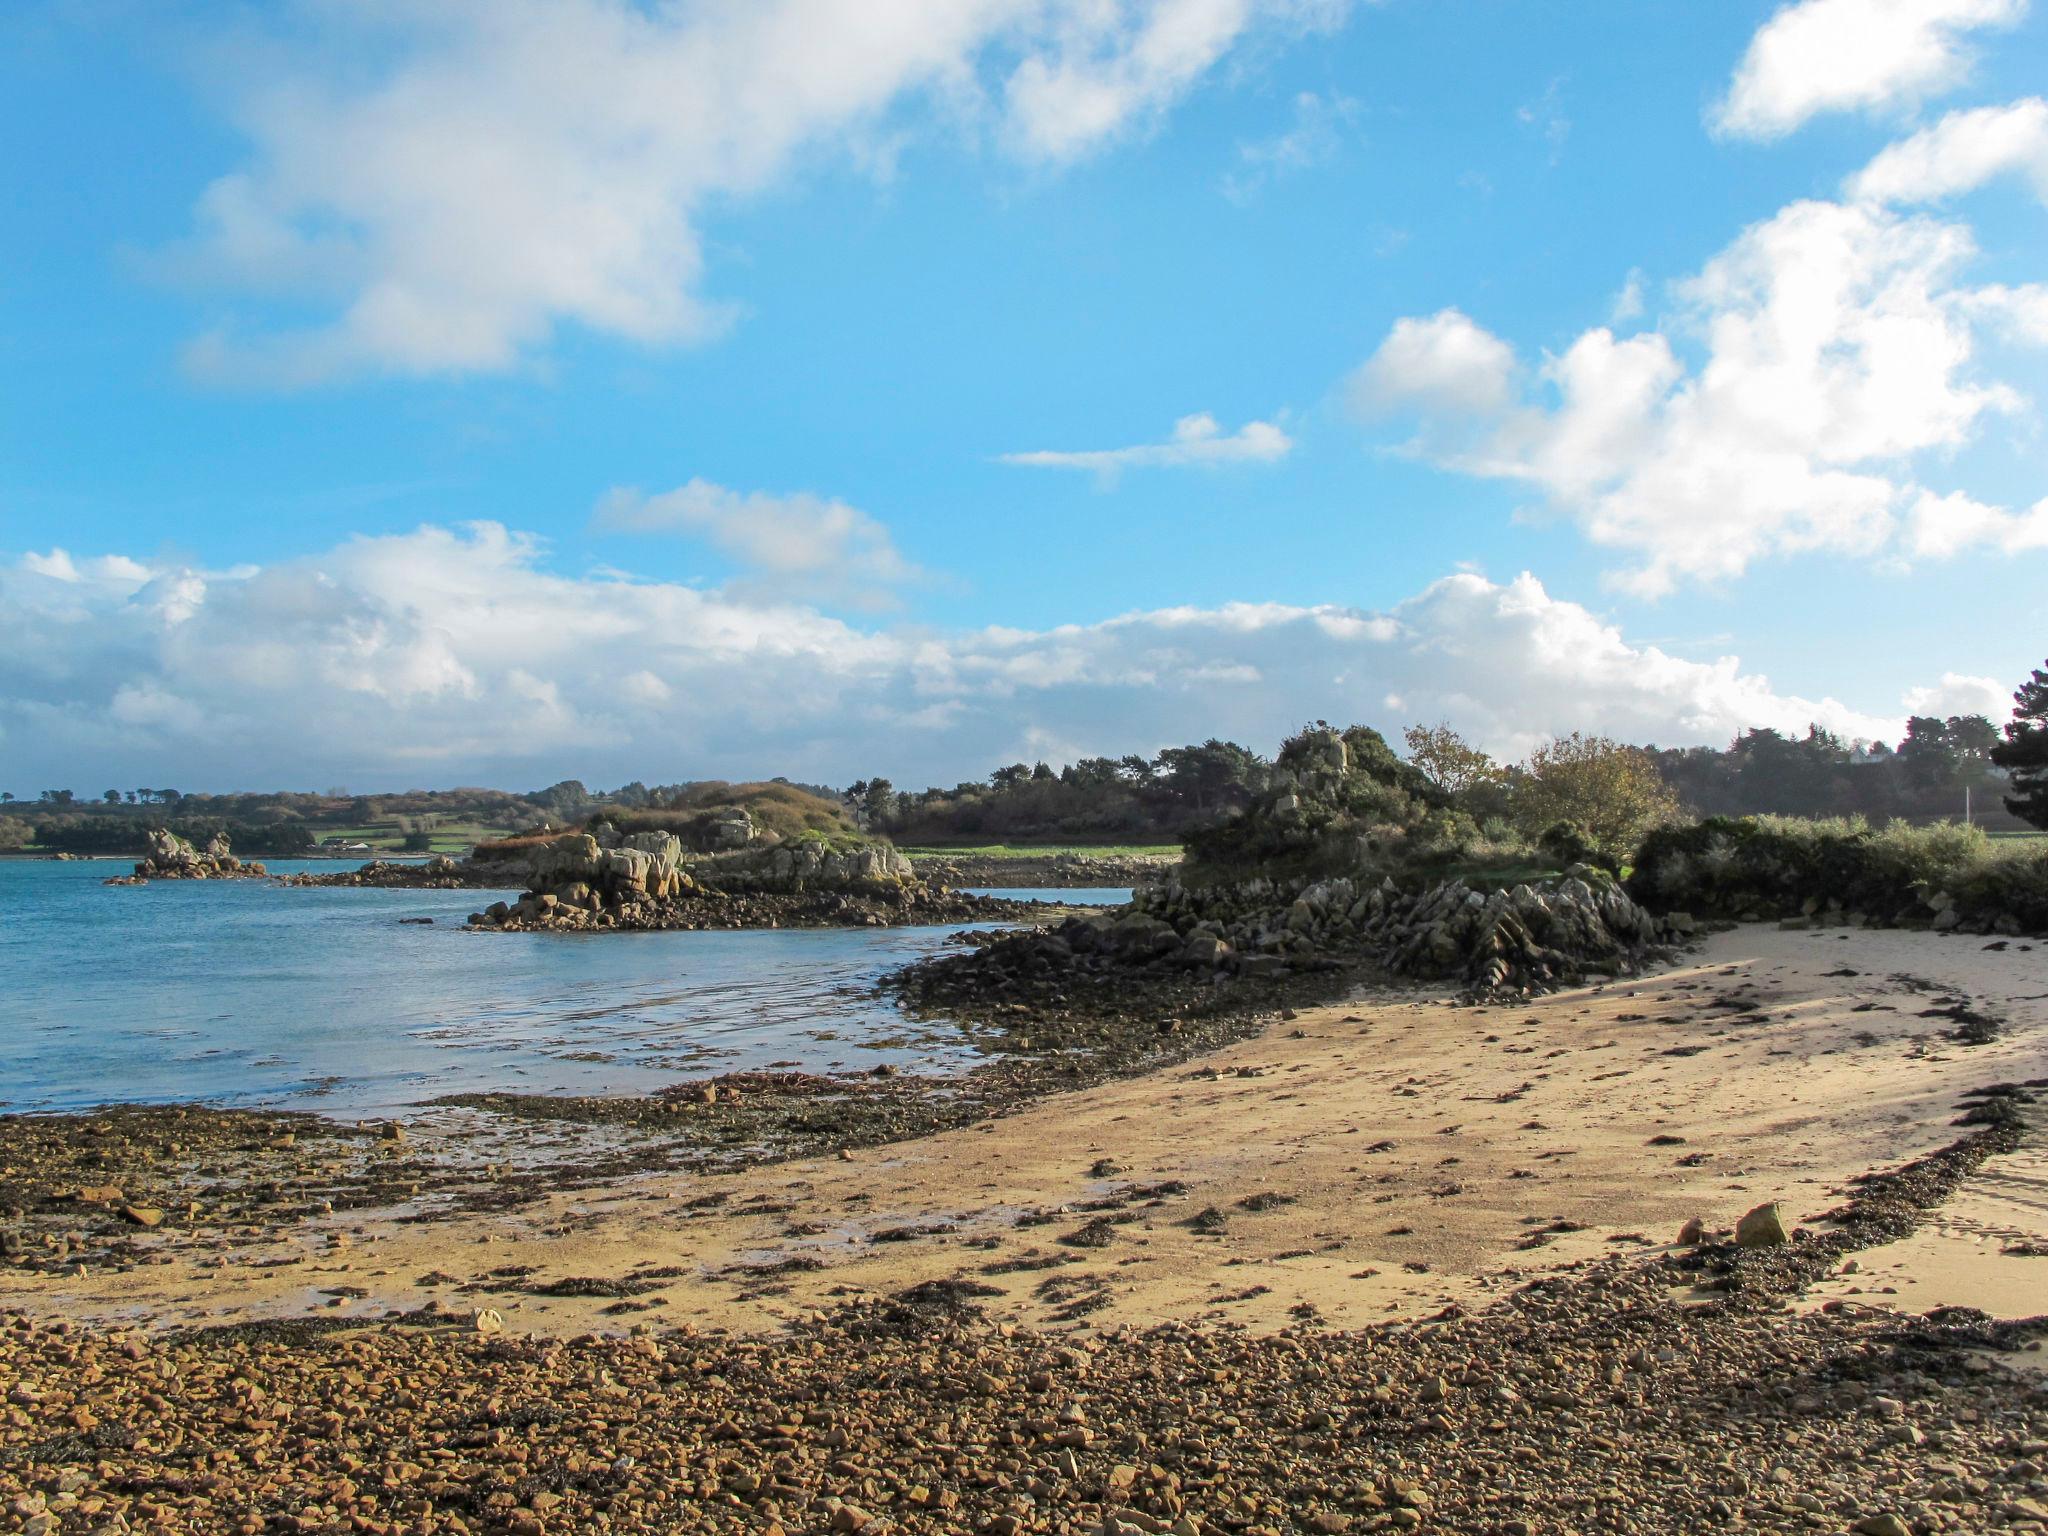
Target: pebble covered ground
<point>1673,1393</point>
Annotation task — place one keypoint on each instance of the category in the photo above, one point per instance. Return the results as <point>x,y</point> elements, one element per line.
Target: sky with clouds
<point>490,391</point>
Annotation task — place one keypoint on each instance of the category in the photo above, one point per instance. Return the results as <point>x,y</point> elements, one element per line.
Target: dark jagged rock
<point>1176,941</point>
<point>440,873</point>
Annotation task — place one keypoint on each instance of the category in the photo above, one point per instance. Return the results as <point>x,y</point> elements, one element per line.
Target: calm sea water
<point>241,992</point>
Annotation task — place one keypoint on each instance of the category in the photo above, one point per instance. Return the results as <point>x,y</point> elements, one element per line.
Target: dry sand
<point>1421,1153</point>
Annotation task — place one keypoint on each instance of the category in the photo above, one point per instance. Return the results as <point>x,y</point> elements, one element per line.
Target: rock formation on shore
<point>641,880</point>
<point>440,873</point>
<point>1534,937</point>
<point>1063,871</point>
<point>1332,867</point>
<point>171,857</point>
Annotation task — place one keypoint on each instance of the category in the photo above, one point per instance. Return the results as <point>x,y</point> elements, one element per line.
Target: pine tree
<point>2024,752</point>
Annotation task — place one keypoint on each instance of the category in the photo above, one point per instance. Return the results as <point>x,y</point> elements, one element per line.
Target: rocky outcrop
<point>1529,939</point>
<point>808,866</point>
<point>643,880</point>
<point>440,873</point>
<point>1336,803</point>
<point>912,904</point>
<point>171,857</point>
<point>1064,871</point>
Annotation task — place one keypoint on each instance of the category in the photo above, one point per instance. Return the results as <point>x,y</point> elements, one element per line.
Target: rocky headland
<point>1340,867</point>
<point>171,857</point>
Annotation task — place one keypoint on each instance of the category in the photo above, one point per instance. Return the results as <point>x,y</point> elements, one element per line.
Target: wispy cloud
<point>1545,117</point>
<point>447,184</point>
<point>1961,153</point>
<point>1314,137</point>
<point>1851,55</point>
<point>1198,440</point>
<point>800,546</point>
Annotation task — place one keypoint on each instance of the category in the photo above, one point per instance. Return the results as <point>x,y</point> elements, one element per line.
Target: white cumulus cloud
<point>1819,56</point>
<point>1958,693</point>
<point>448,182</point>
<point>1197,440</point>
<point>1444,362</point>
<point>1811,364</point>
<point>454,655</point>
<point>1940,526</point>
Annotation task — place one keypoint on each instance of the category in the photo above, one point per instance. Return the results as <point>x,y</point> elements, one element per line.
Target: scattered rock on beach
<point>1763,1227</point>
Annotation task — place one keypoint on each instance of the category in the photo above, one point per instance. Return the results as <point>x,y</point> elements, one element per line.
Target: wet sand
<point>1378,1158</point>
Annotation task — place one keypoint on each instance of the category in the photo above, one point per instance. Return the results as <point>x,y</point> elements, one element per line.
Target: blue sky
<point>742,326</point>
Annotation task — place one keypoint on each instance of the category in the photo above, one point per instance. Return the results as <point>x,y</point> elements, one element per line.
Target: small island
<point>738,856</point>
<point>172,857</point>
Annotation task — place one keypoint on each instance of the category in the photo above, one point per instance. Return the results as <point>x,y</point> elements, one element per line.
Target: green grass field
<point>384,836</point>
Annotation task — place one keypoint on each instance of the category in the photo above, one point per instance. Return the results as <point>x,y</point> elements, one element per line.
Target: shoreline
<point>1609,1113</point>
<point>1385,1263</point>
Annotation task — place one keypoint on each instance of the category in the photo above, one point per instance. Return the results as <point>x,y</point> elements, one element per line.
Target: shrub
<point>780,810</point>
<point>1610,793</point>
<point>1774,866</point>
<point>1565,844</point>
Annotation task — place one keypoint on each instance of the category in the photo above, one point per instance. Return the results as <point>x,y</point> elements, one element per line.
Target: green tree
<point>872,801</point>
<point>1928,754</point>
<point>1453,764</point>
<point>2024,752</point>
<point>1210,775</point>
<point>565,799</point>
<point>416,842</point>
<point>1610,793</point>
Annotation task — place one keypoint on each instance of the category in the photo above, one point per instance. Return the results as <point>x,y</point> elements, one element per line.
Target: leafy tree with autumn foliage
<point>1453,764</point>
<point>1610,794</point>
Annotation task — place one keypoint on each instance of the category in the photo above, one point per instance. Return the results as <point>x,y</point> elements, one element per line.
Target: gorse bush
<point>1776,866</point>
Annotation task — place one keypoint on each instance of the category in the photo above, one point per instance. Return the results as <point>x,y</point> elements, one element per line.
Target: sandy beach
<point>1378,1158</point>
<point>1393,1264</point>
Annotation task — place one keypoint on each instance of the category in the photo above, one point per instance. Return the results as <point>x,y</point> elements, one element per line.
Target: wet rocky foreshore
<point>1673,1393</point>
<point>1065,871</point>
<point>906,905</point>
<point>440,873</point>
<point>80,1190</point>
